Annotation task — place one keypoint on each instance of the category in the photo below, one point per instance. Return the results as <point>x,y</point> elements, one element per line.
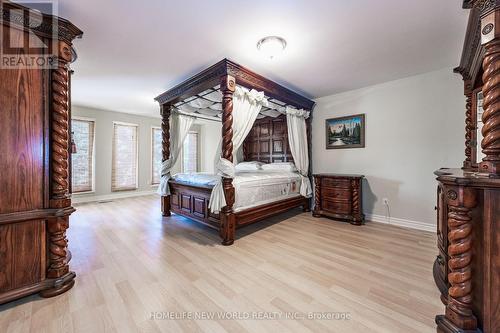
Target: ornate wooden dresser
<point>339,196</point>
<point>467,268</point>
<point>34,153</point>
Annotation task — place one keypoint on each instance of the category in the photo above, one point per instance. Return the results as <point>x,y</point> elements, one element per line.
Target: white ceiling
<point>134,50</point>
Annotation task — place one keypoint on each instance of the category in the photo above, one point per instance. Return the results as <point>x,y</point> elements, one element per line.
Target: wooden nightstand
<point>339,196</point>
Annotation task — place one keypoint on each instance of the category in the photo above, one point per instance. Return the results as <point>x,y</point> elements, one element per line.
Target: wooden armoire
<point>467,268</point>
<point>35,204</point>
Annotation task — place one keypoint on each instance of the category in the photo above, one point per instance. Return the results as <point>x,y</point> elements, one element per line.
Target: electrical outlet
<point>385,201</point>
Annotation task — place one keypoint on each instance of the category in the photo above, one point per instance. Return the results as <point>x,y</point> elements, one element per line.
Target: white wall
<point>414,126</point>
<point>103,150</point>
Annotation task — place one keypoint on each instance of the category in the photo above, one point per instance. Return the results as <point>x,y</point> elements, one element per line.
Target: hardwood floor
<point>132,265</point>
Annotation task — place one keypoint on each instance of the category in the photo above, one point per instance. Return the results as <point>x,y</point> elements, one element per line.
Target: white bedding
<point>252,188</point>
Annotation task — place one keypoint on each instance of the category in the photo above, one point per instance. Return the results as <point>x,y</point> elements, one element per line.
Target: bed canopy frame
<point>221,79</point>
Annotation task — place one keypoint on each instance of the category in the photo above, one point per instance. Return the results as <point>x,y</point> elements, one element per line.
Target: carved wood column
<point>490,30</point>
<point>57,243</point>
<point>165,131</point>
<point>317,197</point>
<point>356,209</point>
<point>461,200</point>
<point>469,129</point>
<point>228,227</point>
<point>60,139</point>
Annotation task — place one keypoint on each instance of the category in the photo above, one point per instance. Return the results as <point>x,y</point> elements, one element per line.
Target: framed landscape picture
<point>345,132</point>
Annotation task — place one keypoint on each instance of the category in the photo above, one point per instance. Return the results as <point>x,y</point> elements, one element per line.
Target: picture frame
<point>345,132</point>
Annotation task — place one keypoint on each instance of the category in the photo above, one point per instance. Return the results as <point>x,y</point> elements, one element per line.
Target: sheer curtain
<point>246,107</point>
<point>179,128</point>
<point>297,138</point>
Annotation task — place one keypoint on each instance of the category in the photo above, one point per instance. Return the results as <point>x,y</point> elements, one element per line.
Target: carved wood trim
<point>491,105</point>
<point>44,25</point>
<point>486,6</point>
<point>249,79</point>
<point>469,129</point>
<point>210,77</point>
<point>472,54</point>
<point>60,129</point>
<point>460,200</point>
<point>355,184</point>
<point>58,247</point>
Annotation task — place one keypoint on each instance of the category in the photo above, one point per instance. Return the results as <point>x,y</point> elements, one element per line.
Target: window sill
<point>124,189</point>
<point>82,193</point>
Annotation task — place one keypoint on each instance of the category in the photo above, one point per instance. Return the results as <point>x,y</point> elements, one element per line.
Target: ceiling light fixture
<point>271,46</point>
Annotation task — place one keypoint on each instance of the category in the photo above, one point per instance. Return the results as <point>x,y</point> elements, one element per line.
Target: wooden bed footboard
<point>192,201</point>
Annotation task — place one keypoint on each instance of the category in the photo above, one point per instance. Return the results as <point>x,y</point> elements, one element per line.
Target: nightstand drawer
<point>339,196</point>
<point>336,194</point>
<point>338,207</point>
<point>334,182</point>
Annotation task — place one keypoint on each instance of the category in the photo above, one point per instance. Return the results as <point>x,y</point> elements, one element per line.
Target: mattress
<point>252,188</point>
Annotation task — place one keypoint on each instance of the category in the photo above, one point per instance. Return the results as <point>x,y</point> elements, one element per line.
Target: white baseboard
<point>401,222</point>
<point>78,199</point>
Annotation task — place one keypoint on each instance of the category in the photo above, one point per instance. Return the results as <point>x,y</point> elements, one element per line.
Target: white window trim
<point>136,156</point>
<point>152,156</point>
<point>93,154</point>
<point>197,152</point>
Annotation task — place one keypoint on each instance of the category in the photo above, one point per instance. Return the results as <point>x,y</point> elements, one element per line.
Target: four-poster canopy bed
<point>258,116</point>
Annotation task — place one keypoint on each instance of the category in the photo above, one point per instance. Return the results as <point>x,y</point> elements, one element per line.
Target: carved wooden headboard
<point>267,142</point>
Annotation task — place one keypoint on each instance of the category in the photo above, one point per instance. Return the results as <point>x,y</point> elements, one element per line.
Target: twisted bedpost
<point>227,218</point>
<point>165,130</point>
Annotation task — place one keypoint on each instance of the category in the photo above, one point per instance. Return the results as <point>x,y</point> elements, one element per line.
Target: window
<point>190,153</point>
<point>157,156</point>
<point>82,161</point>
<point>124,169</point>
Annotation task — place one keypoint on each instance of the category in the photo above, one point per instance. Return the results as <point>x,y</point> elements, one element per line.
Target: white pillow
<point>248,166</point>
<point>280,166</point>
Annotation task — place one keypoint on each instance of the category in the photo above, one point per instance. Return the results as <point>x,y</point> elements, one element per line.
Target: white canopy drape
<point>297,138</point>
<point>246,108</point>
<point>179,128</point>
